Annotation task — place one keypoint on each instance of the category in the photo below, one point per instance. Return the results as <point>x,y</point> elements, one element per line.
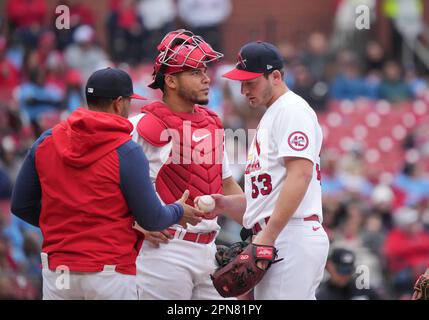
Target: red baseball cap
<point>255,59</point>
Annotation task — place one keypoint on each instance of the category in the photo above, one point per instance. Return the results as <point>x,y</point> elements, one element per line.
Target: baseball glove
<point>238,271</point>
<point>422,286</point>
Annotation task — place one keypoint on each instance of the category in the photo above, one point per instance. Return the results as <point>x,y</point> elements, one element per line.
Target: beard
<point>193,96</point>
<point>265,96</point>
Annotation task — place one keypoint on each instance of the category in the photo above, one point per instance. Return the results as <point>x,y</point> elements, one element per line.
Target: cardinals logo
<point>241,62</point>
<point>253,159</point>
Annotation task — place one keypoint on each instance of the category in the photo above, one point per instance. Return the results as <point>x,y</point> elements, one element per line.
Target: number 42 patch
<point>298,141</point>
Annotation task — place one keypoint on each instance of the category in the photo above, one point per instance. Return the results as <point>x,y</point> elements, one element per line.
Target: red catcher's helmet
<point>181,50</point>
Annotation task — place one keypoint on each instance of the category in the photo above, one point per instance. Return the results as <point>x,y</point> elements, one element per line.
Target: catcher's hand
<point>238,270</point>
<point>421,288</point>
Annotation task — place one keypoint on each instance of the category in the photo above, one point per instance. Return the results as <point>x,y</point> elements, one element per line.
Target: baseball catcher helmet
<point>178,51</point>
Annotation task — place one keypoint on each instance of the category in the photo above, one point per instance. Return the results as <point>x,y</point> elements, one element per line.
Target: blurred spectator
<point>45,48</point>
<point>80,14</point>
<point>289,53</point>
<point>346,35</point>
<point>406,23</point>
<point>37,97</point>
<point>418,85</point>
<point>8,267</point>
<point>373,234</point>
<point>393,87</point>
<point>332,185</point>
<point>74,92</point>
<point>374,57</point>
<point>43,55</point>
<point>352,174</point>
<point>10,148</point>
<point>315,57</point>
<point>382,201</point>
<point>348,83</point>
<point>314,92</point>
<point>125,32</point>
<point>406,250</point>
<point>9,74</point>
<point>56,71</point>
<point>13,284</point>
<point>32,247</point>
<point>349,234</point>
<point>85,55</point>
<point>413,182</point>
<point>26,18</point>
<point>205,18</point>
<point>158,19</point>
<point>342,283</point>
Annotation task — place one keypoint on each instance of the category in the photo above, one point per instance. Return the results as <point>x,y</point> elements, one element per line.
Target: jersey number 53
<point>261,185</point>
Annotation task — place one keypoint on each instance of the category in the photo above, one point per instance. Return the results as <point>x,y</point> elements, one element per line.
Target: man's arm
<point>27,193</point>
<point>299,174</point>
<point>231,204</point>
<point>140,194</point>
<point>234,202</point>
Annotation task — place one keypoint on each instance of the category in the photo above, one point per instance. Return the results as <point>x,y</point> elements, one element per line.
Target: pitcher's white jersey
<point>289,128</point>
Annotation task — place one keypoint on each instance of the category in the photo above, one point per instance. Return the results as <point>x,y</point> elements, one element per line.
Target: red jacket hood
<point>87,135</point>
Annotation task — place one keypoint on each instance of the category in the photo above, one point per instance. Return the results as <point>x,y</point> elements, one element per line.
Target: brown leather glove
<point>238,271</point>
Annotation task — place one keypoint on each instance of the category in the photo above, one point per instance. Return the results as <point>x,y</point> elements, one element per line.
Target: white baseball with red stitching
<point>206,203</point>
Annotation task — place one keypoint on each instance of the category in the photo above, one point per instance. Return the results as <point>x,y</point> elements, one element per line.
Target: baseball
<point>206,203</point>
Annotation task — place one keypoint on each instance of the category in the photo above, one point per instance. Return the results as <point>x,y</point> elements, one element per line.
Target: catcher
<point>421,288</point>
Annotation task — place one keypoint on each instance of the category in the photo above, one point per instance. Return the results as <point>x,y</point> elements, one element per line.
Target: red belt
<point>257,227</point>
<point>195,237</point>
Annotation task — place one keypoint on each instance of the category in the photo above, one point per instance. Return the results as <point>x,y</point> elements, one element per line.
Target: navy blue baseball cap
<point>255,59</point>
<point>111,83</point>
<point>344,261</point>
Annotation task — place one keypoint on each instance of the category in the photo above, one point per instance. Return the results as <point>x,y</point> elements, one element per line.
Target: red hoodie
<point>85,220</point>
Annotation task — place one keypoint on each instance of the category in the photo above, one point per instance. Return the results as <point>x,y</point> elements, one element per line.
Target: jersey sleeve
<point>226,170</point>
<point>295,133</point>
<point>139,193</point>
<point>27,193</point>
<point>134,121</point>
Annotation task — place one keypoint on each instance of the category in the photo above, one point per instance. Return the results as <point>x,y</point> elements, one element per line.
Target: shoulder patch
<point>298,141</point>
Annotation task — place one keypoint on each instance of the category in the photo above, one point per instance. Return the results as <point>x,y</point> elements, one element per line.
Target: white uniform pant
<point>105,285</point>
<point>304,247</point>
<point>178,270</point>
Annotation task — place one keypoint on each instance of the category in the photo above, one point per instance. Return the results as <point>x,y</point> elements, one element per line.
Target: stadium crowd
<point>376,206</point>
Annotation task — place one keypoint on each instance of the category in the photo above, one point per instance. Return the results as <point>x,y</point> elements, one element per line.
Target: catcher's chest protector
<point>196,156</point>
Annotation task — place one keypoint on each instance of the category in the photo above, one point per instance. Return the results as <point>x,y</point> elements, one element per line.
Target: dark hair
<point>99,102</point>
<point>282,73</point>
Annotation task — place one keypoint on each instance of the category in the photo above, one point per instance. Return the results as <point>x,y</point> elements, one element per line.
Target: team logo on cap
<point>90,90</point>
<point>241,61</point>
<point>298,141</point>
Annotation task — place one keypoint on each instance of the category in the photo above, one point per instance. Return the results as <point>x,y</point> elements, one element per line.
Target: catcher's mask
<point>178,51</point>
